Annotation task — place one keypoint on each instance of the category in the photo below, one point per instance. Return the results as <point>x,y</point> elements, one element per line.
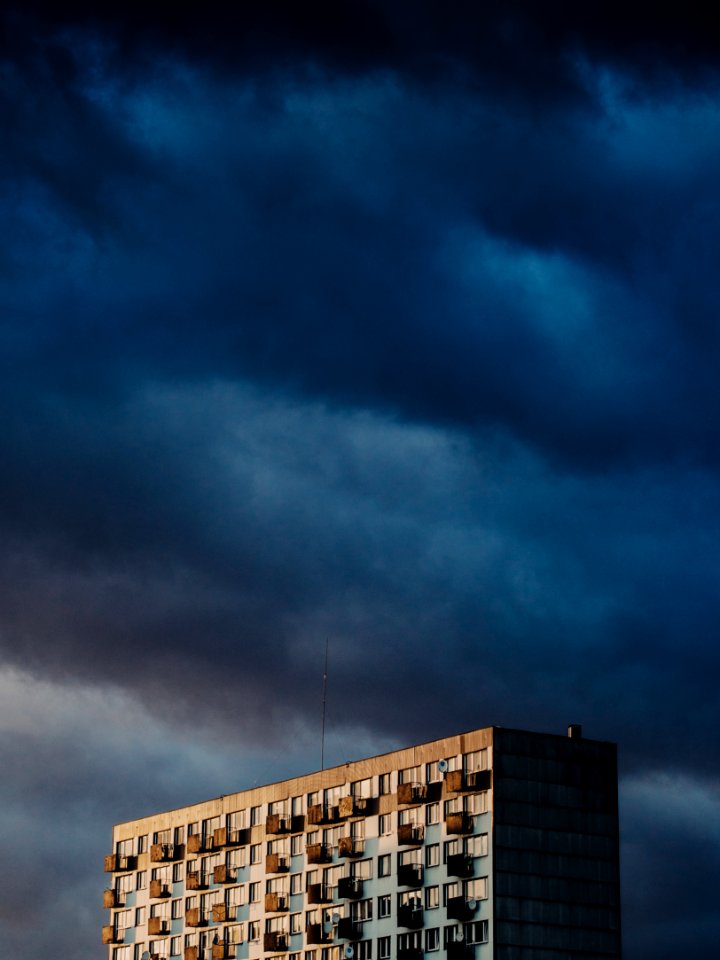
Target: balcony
<point>315,933</point>
<point>277,863</point>
<point>195,880</point>
<point>410,875</point>
<point>111,898</point>
<point>458,823</point>
<point>277,823</point>
<point>321,813</point>
<point>159,888</point>
<point>349,929</point>
<point>459,950</point>
<point>111,935</point>
<point>223,950</point>
<point>410,916</point>
<point>224,874</point>
<point>157,926</point>
<point>458,908</point>
<point>319,853</point>
<point>276,903</point>
<point>199,844</point>
<point>111,863</point>
<point>222,837</point>
<point>272,942</point>
<point>354,807</point>
<point>411,793</point>
<point>410,835</point>
<point>351,846</point>
<point>320,893</point>
<point>163,852</point>
<point>459,782</point>
<point>223,913</point>
<point>350,888</point>
<point>191,953</point>
<point>193,917</point>
<point>459,865</point>
<point>410,953</point>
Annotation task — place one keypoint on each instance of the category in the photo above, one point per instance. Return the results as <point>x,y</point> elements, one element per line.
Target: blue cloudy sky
<point>394,324</point>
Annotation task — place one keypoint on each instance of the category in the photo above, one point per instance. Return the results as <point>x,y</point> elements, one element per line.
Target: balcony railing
<point>223,950</point>
<point>410,875</point>
<point>460,908</point>
<point>110,934</point>
<point>319,853</point>
<point>222,873</point>
<point>272,942</point>
<point>157,926</point>
<point>276,902</point>
<point>160,888</point>
<point>459,865</point>
<point>320,893</point>
<point>316,933</point>
<point>349,929</point>
<point>163,852</point>
<point>410,834</point>
<point>196,843</point>
<point>111,898</point>
<point>277,863</point>
<point>459,950</point>
<point>457,781</point>
<point>411,793</point>
<point>195,880</point>
<point>193,917</point>
<point>458,823</point>
<point>223,837</point>
<point>410,953</point>
<point>410,916</point>
<point>351,846</point>
<point>190,953</point>
<point>350,888</point>
<point>224,913</point>
<point>322,813</point>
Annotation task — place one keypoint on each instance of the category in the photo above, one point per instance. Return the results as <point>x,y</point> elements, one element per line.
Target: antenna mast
<point>325,677</point>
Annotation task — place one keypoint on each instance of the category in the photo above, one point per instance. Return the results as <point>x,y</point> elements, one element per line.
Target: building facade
<point>495,844</point>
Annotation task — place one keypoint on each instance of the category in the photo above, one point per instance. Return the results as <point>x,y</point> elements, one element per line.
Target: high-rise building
<point>496,844</point>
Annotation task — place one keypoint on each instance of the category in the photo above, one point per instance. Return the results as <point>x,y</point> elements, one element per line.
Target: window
<point>476,889</point>
<point>122,953</point>
<point>362,910</point>
<point>254,890</point>
<point>432,898</point>
<point>432,813</point>
<point>476,802</point>
<point>178,872</point>
<point>179,835</point>
<point>432,855</point>
<point>361,788</point>
<point>450,848</point>
<point>363,950</point>
<point>385,784</point>
<point>361,869</point>
<point>177,909</point>
<point>409,775</point>
<point>410,941</point>
<point>142,843</point>
<point>385,824</point>
<point>384,948</point>
<point>139,916</point>
<point>254,930</point>
<point>295,883</point>
<point>296,806</point>
<point>384,906</point>
<point>256,853</point>
<point>384,865</point>
<point>432,940</point>
<point>140,949</point>
<point>296,845</point>
<point>477,931</point>
<point>477,846</point>
<point>255,815</point>
<point>175,946</point>
<point>295,923</point>
<point>310,954</point>
<point>141,880</point>
<point>450,891</point>
<point>477,760</point>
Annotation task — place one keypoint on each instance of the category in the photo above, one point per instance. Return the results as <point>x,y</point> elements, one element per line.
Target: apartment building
<point>495,844</point>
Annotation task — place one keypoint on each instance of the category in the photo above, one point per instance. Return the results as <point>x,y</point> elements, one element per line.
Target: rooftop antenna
<point>325,676</point>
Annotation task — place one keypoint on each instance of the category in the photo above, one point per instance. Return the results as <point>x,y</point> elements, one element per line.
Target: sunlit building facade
<point>491,845</point>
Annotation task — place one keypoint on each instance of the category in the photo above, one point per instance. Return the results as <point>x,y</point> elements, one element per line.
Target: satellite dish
<point>335,919</point>
<point>442,766</point>
<point>459,935</point>
<point>146,955</point>
<point>327,927</point>
<point>349,952</point>
<point>472,905</point>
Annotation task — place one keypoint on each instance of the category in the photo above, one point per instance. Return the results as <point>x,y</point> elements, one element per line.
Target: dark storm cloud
<point>388,326</point>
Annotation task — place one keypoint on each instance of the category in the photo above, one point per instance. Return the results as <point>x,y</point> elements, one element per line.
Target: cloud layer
<point>394,330</point>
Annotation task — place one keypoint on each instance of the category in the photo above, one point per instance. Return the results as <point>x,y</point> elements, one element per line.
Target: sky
<point>392,325</point>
